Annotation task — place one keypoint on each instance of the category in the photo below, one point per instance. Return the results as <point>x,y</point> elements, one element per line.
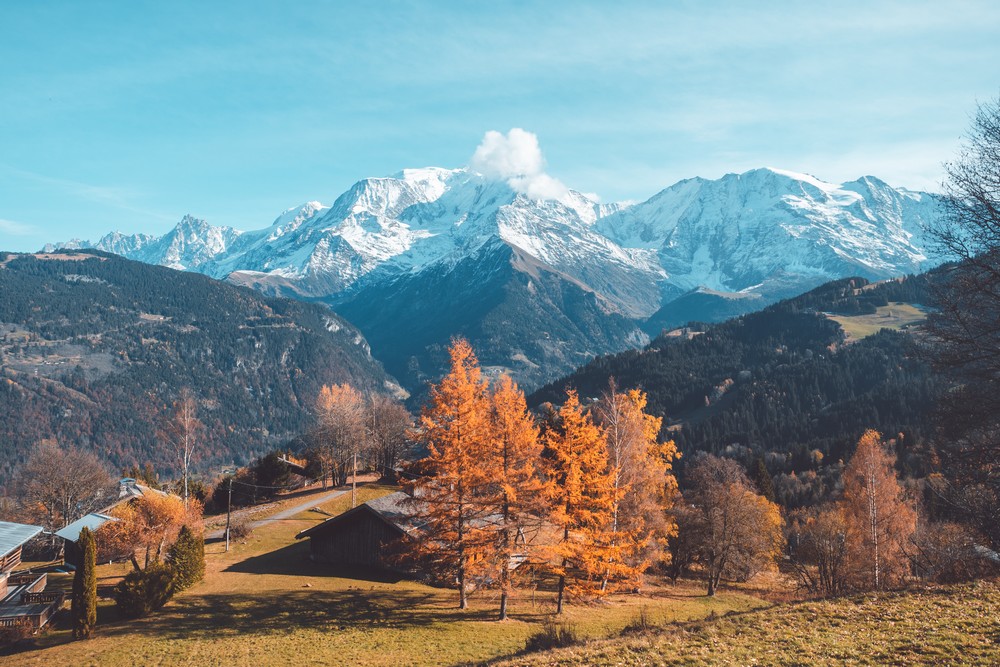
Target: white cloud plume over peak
<point>516,158</point>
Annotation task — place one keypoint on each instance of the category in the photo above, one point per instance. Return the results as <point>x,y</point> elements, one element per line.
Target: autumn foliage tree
<point>517,486</point>
<point>818,549</point>
<point>880,519</point>
<point>643,488</point>
<point>737,530</point>
<point>146,525</point>
<point>340,411</point>
<point>581,498</point>
<point>454,483</point>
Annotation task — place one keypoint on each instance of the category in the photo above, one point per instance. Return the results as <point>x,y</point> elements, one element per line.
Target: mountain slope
<point>782,383</point>
<point>93,346</point>
<point>698,250</point>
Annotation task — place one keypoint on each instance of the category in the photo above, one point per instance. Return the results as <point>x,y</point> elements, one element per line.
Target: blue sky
<point>128,115</point>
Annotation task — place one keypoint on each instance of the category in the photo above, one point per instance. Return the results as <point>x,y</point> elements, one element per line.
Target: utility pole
<point>229,511</point>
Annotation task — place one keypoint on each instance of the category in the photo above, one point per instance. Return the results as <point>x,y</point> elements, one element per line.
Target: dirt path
<point>287,513</point>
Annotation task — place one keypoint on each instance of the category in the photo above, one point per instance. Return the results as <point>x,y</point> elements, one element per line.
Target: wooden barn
<point>363,536</point>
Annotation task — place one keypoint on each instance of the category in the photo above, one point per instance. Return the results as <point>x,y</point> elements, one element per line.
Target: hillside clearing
<point>894,316</point>
<point>265,603</point>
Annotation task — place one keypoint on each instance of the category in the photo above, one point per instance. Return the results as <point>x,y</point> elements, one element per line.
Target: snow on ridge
<point>729,234</point>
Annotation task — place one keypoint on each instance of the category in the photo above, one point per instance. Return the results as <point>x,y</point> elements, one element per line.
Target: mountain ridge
<point>767,233</point>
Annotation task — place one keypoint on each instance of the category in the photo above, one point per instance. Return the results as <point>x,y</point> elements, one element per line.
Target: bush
<point>84,605</point>
<point>552,635</point>
<point>20,630</point>
<point>187,557</point>
<point>240,527</point>
<point>144,591</point>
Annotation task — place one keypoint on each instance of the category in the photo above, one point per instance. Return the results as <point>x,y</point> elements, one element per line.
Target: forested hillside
<point>782,384</point>
<point>93,348</point>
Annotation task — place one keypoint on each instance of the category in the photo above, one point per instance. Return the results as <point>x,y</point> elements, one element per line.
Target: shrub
<point>240,527</point>
<point>144,591</point>
<point>84,605</point>
<point>187,557</point>
<point>21,629</point>
<point>552,635</point>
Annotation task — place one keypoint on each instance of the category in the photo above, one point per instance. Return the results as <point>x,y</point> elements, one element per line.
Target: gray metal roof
<point>13,535</point>
<point>93,521</point>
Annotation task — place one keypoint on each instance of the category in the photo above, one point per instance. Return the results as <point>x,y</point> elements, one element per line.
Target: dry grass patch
<point>266,603</point>
<point>940,625</point>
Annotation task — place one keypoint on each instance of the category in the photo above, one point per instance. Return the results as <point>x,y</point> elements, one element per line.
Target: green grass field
<point>265,603</point>
<point>893,316</point>
<point>936,626</point>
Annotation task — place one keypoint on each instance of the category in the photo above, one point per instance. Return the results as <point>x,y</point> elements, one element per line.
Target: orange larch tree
<point>639,466</point>
<point>518,485</point>
<point>879,516</point>
<point>581,498</point>
<point>453,488</point>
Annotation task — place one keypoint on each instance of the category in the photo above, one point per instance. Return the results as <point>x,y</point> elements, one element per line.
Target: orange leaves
<point>454,480</point>
<point>878,514</point>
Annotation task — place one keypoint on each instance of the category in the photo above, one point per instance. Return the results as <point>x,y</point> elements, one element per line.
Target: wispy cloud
<point>16,228</point>
<point>516,158</point>
<point>108,195</point>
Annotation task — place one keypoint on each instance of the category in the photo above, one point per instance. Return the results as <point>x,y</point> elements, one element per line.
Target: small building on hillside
<point>125,491</point>
<point>71,534</point>
<point>370,534</point>
<point>364,536</point>
<point>23,599</point>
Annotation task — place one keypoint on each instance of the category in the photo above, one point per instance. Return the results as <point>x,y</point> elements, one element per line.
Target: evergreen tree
<point>187,557</point>
<point>762,479</point>
<point>84,604</point>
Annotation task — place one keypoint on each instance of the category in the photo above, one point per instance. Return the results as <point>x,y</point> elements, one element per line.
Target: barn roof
<point>93,521</point>
<point>396,509</point>
<point>14,535</point>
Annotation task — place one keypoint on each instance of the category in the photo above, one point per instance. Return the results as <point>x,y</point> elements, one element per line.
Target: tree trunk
<point>562,588</point>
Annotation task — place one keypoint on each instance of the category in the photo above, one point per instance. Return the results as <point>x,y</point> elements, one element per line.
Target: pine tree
<point>84,603</point>
<point>187,557</point>
<point>762,479</point>
<point>453,483</point>
<point>581,498</point>
<point>518,485</point>
<point>879,517</point>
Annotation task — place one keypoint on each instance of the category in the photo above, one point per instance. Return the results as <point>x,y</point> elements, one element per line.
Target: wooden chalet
<point>368,535</point>
<point>125,491</point>
<point>363,536</point>
<point>23,599</point>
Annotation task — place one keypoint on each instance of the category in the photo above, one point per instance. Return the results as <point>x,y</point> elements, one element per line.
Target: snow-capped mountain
<point>765,228</point>
<point>415,258</point>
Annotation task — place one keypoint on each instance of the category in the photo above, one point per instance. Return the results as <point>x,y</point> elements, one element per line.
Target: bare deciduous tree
<point>56,486</point>
<point>965,327</point>
<point>183,432</point>
<point>388,423</point>
<point>740,531</point>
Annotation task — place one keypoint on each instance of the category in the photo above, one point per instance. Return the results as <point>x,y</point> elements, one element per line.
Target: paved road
<point>286,514</point>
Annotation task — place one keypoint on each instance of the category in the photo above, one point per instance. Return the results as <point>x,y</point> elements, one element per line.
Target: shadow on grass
<point>293,560</point>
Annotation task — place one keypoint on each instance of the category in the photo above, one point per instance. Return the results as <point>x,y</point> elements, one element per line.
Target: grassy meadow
<point>954,625</point>
<point>265,603</point>
<point>893,316</point>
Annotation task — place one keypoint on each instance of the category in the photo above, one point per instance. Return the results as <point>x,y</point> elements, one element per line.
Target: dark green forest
<point>93,350</point>
<point>782,385</point>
